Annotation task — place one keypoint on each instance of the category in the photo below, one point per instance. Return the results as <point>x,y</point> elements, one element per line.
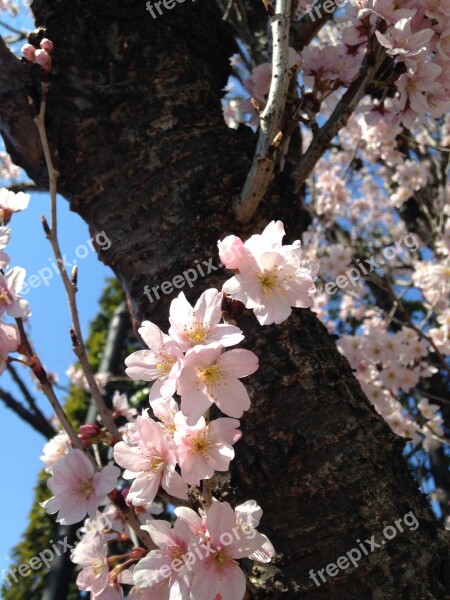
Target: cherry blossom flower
<point>272,277</point>
<point>55,450</point>
<point>4,240</point>
<point>399,39</point>
<point>200,325</point>
<point>165,410</point>
<point>122,408</point>
<point>231,250</point>
<point>91,553</point>
<point>11,203</point>
<point>219,572</point>
<point>163,570</point>
<point>78,490</point>
<point>151,463</point>
<point>10,286</point>
<point>9,342</point>
<point>161,363</point>
<point>248,516</point>
<point>204,448</point>
<point>209,376</point>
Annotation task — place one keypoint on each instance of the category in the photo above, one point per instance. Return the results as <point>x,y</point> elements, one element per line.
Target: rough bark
<point>136,127</point>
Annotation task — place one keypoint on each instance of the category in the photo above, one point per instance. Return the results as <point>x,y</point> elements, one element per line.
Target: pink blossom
<point>248,516</point>
<point>47,45</point>
<point>4,240</point>
<point>399,39</point>
<point>151,463</point>
<point>10,286</point>
<point>435,8</point>
<point>55,450</point>
<point>204,448</point>
<point>165,410</point>
<point>200,325</point>
<point>9,342</point>
<point>219,572</point>
<point>161,363</point>
<point>272,277</point>
<point>78,490</point>
<point>12,203</point>
<point>443,45</point>
<point>112,591</point>
<point>208,377</point>
<point>91,553</point>
<point>28,50</point>
<point>231,250</point>
<point>42,57</point>
<point>416,83</point>
<point>122,407</point>
<point>163,570</point>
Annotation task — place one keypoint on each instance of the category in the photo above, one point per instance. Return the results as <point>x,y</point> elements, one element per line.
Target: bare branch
<point>35,410</point>
<point>27,416</point>
<point>261,172</point>
<point>341,114</point>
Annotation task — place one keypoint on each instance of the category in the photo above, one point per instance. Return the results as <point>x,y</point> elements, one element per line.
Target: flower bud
<point>231,250</point>
<point>29,52</point>
<point>42,57</point>
<point>47,44</point>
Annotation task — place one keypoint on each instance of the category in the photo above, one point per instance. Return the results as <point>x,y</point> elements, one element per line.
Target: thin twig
<point>341,114</point>
<point>52,236</point>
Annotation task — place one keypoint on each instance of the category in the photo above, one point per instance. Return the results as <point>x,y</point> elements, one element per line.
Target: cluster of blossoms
<point>175,443</point>
<point>11,282</point>
<point>388,365</point>
<point>42,56</point>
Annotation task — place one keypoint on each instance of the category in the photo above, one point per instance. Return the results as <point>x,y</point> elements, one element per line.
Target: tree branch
<point>10,402</point>
<point>261,172</point>
<point>341,114</point>
<point>16,121</point>
<point>34,409</point>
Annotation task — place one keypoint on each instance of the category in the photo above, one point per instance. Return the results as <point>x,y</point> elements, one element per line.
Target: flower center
<point>156,463</point>
<point>165,366</point>
<point>86,488</point>
<point>268,281</point>
<point>210,375</point>
<point>200,444</point>
<point>97,567</point>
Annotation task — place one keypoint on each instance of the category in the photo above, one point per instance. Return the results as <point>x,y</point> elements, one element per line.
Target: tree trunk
<point>136,129</point>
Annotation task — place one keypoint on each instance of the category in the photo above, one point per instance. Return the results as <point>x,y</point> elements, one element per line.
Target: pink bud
<point>47,44</point>
<point>88,433</point>
<point>42,57</point>
<point>90,429</point>
<point>28,51</point>
<point>231,249</point>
